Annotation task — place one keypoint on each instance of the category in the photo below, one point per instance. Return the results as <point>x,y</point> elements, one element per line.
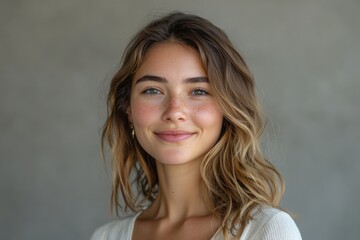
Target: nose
<point>175,109</point>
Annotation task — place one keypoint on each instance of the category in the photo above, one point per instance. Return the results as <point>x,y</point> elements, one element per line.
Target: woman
<point>184,125</point>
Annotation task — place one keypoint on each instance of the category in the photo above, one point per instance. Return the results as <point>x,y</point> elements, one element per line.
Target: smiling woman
<point>175,117</point>
<point>183,116</point>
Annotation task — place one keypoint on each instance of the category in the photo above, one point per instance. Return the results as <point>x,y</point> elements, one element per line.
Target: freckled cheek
<point>210,116</point>
<point>143,113</point>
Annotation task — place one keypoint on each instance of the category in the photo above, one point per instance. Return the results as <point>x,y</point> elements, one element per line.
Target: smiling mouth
<point>173,135</point>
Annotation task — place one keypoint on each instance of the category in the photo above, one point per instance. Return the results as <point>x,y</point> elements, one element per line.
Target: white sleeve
<point>100,233</point>
<point>280,227</point>
<point>118,229</point>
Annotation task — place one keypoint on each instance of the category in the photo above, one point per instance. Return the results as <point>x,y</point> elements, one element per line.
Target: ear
<point>128,112</point>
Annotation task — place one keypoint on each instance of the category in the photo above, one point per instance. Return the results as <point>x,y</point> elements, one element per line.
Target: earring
<point>132,131</point>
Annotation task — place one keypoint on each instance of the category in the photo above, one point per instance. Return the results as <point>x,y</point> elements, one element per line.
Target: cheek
<point>209,116</point>
<point>143,113</point>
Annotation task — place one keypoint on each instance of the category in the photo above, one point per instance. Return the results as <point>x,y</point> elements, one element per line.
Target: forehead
<point>171,59</point>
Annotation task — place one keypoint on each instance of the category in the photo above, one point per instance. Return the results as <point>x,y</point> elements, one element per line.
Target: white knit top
<point>268,224</point>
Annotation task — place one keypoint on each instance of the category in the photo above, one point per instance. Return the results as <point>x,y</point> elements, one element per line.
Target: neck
<point>179,195</point>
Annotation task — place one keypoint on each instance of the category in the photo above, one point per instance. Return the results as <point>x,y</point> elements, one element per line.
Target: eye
<point>199,92</point>
<point>151,91</point>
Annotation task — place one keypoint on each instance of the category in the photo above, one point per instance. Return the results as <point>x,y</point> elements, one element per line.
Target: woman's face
<point>175,116</point>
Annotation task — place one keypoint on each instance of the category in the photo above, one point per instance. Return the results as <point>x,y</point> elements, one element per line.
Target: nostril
<point>175,110</point>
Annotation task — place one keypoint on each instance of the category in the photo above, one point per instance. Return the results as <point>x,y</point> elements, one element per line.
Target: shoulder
<point>119,229</point>
<point>271,223</point>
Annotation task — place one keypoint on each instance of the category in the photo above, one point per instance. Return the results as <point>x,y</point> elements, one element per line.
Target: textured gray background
<point>56,59</point>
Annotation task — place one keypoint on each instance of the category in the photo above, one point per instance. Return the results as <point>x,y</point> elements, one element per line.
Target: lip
<point>174,135</point>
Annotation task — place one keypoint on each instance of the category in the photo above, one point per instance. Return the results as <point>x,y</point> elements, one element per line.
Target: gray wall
<point>56,59</point>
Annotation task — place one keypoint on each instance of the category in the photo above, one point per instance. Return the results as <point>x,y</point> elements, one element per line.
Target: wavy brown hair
<point>236,177</point>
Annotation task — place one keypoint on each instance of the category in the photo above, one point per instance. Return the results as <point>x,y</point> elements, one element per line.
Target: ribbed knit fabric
<point>268,224</point>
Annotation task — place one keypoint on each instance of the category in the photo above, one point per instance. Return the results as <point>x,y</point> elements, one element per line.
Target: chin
<point>176,159</point>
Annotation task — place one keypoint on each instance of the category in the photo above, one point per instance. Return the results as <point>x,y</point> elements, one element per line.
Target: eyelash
<point>150,91</point>
<point>201,91</point>
<point>155,91</point>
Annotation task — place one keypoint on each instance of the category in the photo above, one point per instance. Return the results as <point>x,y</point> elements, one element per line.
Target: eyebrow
<point>164,80</point>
